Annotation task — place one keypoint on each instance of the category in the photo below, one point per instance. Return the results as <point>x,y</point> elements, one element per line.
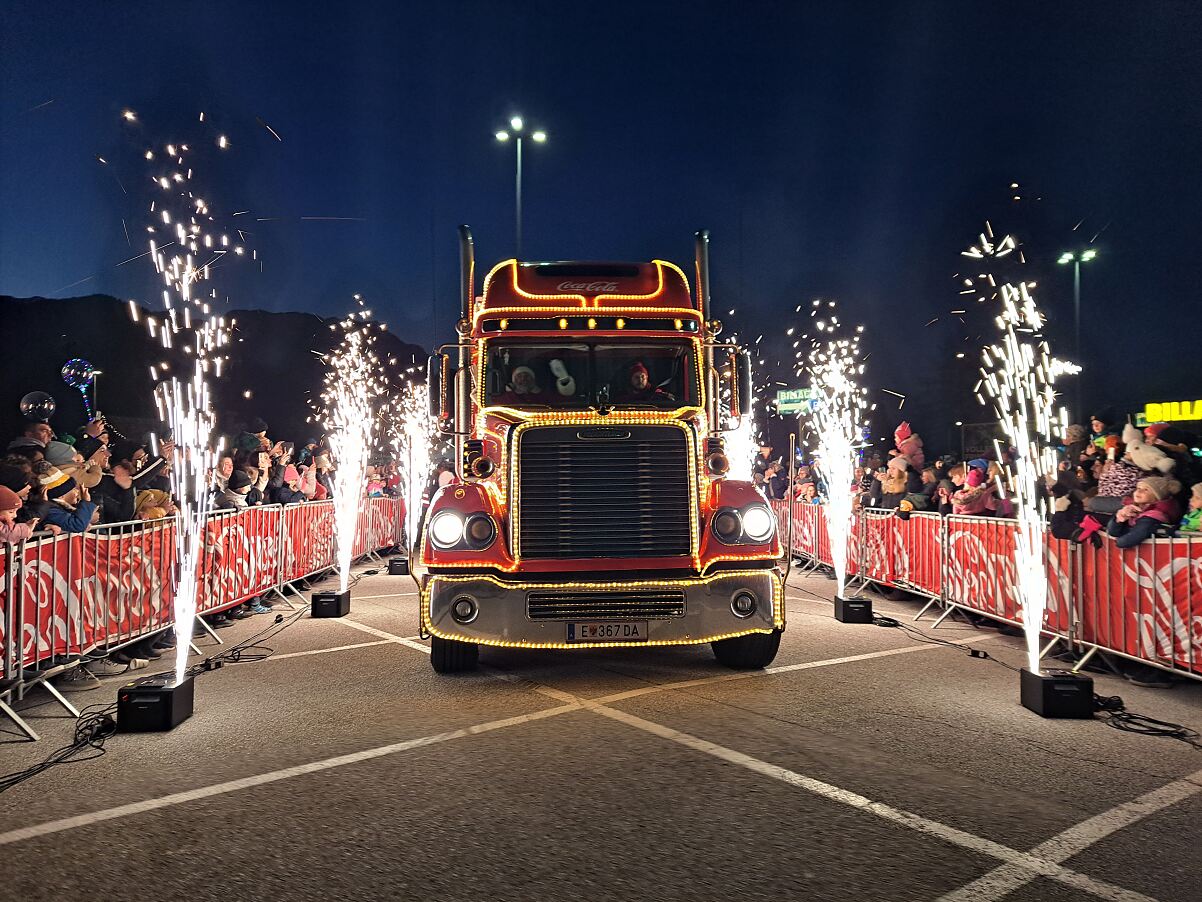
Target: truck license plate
<point>608,631</point>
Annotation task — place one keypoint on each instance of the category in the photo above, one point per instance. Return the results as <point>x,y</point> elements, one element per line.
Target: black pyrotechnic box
<point>857,609</point>
<point>1056,693</point>
<point>154,704</point>
<point>331,604</point>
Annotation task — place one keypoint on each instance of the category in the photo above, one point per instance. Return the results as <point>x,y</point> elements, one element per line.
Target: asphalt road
<point>864,765</point>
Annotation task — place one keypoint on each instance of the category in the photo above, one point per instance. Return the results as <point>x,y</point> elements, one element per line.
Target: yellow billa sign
<point>1173,411</point>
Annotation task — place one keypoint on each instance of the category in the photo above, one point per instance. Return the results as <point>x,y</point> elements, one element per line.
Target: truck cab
<point>588,403</point>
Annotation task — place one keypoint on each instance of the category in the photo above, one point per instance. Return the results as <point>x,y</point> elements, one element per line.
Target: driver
<point>640,389</point>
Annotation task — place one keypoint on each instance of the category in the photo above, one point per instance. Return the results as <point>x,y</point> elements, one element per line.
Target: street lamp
<point>516,126</point>
<point>1077,258</point>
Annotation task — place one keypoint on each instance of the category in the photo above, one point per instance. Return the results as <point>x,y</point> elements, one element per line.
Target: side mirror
<point>437,386</point>
<point>742,385</point>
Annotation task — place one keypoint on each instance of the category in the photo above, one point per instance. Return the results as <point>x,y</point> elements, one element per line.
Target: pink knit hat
<point>290,474</point>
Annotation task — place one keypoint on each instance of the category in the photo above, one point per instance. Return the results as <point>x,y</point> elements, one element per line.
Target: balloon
<point>78,373</point>
<point>37,406</point>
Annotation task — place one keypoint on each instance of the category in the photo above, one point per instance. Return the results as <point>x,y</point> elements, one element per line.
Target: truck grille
<point>600,492</point>
<point>640,604</point>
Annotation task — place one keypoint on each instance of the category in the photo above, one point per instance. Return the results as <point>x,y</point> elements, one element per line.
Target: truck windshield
<point>541,375</point>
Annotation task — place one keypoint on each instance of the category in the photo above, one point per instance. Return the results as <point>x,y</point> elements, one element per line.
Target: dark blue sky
<point>846,150</point>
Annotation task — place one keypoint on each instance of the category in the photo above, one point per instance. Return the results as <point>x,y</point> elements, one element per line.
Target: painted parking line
<point>326,651</point>
<point>1076,839</point>
<point>217,789</point>
<point>386,595</point>
<point>1030,864</point>
<point>783,668</point>
<point>390,637</point>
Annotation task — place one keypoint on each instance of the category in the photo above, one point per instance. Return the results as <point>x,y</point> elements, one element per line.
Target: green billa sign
<point>794,400</point>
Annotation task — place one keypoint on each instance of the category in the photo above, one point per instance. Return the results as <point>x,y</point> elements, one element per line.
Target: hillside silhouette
<point>273,358</point>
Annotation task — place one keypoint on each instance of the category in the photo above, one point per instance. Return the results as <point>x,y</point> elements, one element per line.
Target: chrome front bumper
<point>502,618</point>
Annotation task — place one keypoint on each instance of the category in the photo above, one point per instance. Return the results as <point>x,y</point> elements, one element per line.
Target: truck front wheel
<point>751,652</point>
<point>449,656</point>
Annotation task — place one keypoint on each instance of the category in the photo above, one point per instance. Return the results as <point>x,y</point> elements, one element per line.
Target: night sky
<point>832,151</point>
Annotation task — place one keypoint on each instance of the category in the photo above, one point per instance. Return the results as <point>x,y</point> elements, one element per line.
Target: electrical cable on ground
<point>93,727</point>
<point>1117,715</point>
<point>96,723</point>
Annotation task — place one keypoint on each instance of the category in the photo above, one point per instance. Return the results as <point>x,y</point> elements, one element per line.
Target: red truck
<point>588,403</point>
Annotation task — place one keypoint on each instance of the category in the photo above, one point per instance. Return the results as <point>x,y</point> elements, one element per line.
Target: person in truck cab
<point>523,388</point>
<point>640,388</point>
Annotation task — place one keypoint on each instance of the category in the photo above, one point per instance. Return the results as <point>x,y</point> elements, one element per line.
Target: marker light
<point>446,529</point>
<point>758,523</point>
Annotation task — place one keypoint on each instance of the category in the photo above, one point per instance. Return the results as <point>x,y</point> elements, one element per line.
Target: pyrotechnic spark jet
<point>742,442</point>
<point>835,367</point>
<point>413,435</point>
<point>1018,373</point>
<point>352,384</point>
<point>185,403</point>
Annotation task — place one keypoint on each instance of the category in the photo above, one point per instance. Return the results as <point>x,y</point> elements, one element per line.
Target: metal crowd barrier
<point>1142,603</point>
<point>75,597</point>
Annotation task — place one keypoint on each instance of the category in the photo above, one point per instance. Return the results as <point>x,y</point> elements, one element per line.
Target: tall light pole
<point>1077,258</point>
<point>515,131</point>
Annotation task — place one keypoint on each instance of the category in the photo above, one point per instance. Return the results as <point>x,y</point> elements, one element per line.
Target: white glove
<point>564,383</point>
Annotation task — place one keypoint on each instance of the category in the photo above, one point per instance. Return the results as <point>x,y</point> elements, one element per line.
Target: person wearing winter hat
<point>69,509</point>
<point>71,460</point>
<point>1150,506</point>
<point>974,499</point>
<point>288,491</point>
<point>639,389</point>
<point>233,496</point>
<point>1076,440</point>
<point>10,529</point>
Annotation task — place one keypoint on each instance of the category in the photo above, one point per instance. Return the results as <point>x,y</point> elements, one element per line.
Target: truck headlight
<point>479,531</point>
<point>727,525</point>
<point>446,529</point>
<point>758,523</point>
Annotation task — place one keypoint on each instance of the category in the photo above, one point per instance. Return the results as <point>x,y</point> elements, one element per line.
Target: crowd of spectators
<point>95,477</point>
<point>1112,477</point>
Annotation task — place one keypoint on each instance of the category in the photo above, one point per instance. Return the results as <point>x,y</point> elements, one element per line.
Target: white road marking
<point>1030,863</point>
<point>388,595</point>
<point>391,637</point>
<point>784,668</point>
<point>326,651</point>
<point>1076,839</point>
<point>216,789</point>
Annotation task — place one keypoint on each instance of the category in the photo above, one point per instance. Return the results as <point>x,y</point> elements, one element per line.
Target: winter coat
<point>973,501</point>
<point>1166,511</point>
<point>69,520</point>
<point>285,495</point>
<point>230,501</point>
<point>15,532</point>
<point>116,504</point>
<point>1192,521</point>
<point>1119,479</point>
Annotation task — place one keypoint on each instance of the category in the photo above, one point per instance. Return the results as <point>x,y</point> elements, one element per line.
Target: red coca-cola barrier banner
<point>79,592</point>
<point>1144,602</point>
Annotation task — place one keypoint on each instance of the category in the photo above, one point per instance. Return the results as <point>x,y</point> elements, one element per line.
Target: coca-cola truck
<point>589,403</point>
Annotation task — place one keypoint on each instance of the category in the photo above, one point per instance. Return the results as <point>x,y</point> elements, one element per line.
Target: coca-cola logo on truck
<point>591,287</point>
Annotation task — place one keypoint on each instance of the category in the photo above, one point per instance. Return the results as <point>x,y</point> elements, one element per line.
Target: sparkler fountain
<point>413,442</point>
<point>352,384</point>
<point>184,402</point>
<point>186,242</point>
<point>835,366</point>
<point>1018,374</point>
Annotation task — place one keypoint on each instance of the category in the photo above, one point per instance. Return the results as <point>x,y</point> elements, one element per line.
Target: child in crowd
<point>1150,506</point>
<point>973,500</point>
<point>69,507</point>
<point>1192,521</point>
<point>233,496</point>
<point>10,529</point>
